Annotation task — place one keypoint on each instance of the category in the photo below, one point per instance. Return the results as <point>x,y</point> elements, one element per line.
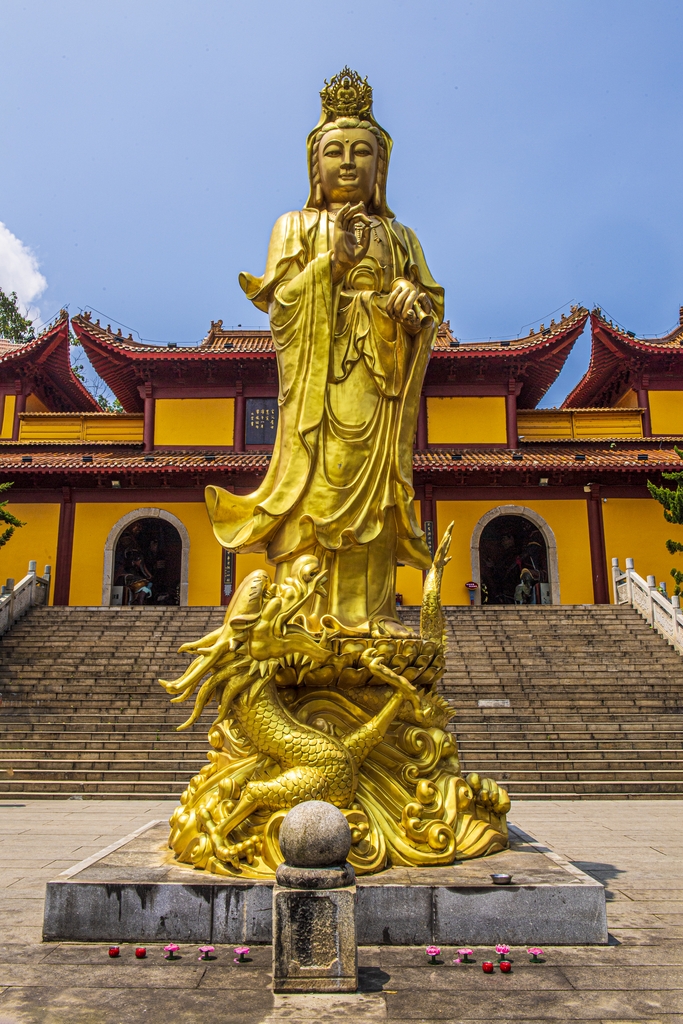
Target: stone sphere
<point>315,834</point>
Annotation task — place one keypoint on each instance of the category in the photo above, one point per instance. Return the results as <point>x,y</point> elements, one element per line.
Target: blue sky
<point>149,146</point>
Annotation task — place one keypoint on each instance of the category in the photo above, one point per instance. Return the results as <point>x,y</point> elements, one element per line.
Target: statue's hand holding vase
<point>409,306</point>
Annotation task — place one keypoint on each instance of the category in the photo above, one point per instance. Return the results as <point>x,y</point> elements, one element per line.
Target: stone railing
<point>15,601</point>
<point>661,611</point>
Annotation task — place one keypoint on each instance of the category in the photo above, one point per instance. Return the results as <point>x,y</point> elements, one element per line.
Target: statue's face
<point>347,158</point>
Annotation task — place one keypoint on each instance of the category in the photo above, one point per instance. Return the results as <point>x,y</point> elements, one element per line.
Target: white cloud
<point>19,272</point>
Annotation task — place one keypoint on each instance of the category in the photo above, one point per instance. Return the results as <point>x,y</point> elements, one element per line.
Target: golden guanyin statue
<point>322,692</point>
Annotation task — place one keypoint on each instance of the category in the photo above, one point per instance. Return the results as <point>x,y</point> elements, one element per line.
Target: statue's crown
<point>346,95</point>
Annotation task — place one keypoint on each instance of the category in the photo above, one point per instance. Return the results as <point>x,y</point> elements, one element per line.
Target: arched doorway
<point>514,558</point>
<point>147,564</point>
<point>146,560</point>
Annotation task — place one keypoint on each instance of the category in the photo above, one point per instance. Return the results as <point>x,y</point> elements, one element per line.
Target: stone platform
<point>134,891</point>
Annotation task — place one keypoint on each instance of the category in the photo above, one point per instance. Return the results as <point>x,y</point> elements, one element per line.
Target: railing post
<point>34,586</point>
<point>616,573</point>
<point>675,606</point>
<point>629,581</point>
<point>652,585</point>
<point>10,590</point>
<point>47,576</point>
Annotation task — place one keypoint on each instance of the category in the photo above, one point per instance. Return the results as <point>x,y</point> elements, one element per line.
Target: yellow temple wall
<point>36,540</point>
<point>409,584</point>
<point>666,412</point>
<point>635,528</point>
<point>194,421</point>
<point>94,426</point>
<point>567,519</point>
<point>560,424</point>
<point>468,420</point>
<point>8,416</point>
<point>92,524</point>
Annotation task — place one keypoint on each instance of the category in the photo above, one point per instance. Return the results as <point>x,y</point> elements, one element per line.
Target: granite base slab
<point>134,891</point>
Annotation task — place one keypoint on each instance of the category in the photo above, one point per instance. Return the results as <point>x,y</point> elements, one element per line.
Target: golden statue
<point>322,692</point>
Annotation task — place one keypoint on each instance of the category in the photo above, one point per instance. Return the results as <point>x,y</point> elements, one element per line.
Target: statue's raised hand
<point>349,245</point>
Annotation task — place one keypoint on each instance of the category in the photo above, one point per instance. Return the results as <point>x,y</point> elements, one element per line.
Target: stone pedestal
<point>314,940</point>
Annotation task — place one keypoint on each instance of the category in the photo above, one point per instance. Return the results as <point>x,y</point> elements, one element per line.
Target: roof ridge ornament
<point>346,95</point>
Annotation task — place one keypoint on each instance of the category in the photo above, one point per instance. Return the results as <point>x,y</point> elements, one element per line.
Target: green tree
<point>13,326</point>
<point>7,517</point>
<point>107,406</point>
<point>673,513</point>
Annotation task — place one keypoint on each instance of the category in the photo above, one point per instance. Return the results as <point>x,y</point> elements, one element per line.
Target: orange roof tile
<point>576,456</point>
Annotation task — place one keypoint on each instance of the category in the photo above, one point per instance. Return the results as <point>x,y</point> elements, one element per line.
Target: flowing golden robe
<point>340,478</point>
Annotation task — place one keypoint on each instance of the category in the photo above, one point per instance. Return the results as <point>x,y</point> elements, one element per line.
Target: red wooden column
<point>596,535</point>
<point>19,407</point>
<point>65,543</point>
<point>511,414</point>
<point>422,438</point>
<point>150,410</point>
<point>238,442</point>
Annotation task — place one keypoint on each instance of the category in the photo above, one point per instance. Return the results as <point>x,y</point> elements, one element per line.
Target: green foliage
<point>13,326</point>
<point>672,501</point>
<point>107,406</point>
<point>7,517</point>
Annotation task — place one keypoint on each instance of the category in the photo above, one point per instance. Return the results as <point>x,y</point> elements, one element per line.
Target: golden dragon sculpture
<point>333,715</point>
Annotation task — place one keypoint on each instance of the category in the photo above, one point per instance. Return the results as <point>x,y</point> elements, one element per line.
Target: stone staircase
<point>553,702</point>
<point>82,712</point>
<point>565,701</point>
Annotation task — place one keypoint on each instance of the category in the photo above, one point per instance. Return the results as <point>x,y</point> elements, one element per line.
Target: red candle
<point>114,951</point>
<point>487,967</point>
<point>505,966</point>
<point>141,952</point>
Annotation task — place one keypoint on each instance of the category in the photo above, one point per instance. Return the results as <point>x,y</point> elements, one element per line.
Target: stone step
<point>595,701</point>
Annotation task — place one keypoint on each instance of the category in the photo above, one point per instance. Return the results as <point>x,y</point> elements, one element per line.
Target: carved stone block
<point>314,940</point>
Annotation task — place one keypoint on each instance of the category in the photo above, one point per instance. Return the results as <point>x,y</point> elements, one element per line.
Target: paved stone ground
<point>632,846</point>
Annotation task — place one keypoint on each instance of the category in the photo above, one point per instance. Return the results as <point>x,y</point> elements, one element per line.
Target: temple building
<point>542,499</point>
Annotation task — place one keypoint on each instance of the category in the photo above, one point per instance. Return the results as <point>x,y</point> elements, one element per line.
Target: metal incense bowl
<point>501,879</point>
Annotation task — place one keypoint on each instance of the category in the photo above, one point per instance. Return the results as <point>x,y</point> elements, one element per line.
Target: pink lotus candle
<point>433,952</point>
<point>463,957</point>
<point>206,952</point>
<point>502,950</point>
<point>171,951</point>
<point>241,951</point>
<point>535,952</point>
